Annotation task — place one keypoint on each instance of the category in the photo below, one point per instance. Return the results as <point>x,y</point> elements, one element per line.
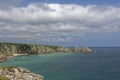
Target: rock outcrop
<point>85,50</point>
<point>3,58</point>
<point>18,73</point>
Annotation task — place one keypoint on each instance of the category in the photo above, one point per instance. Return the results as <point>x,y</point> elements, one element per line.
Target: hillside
<point>9,49</point>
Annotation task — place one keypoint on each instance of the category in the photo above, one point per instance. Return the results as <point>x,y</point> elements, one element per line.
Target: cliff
<point>18,73</point>
<point>9,49</point>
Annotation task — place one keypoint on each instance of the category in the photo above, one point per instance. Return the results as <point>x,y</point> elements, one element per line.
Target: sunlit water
<point>103,64</point>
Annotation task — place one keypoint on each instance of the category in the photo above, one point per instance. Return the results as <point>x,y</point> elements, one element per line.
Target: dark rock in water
<point>19,73</point>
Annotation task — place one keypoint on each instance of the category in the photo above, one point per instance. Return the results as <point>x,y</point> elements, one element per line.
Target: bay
<point>102,64</point>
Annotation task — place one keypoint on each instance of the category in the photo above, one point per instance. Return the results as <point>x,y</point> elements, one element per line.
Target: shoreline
<point>5,58</point>
<point>8,50</point>
<point>19,55</point>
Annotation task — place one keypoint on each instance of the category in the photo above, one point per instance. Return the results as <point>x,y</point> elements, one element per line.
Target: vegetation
<point>16,73</point>
<point>3,78</point>
<point>7,68</point>
<point>9,49</point>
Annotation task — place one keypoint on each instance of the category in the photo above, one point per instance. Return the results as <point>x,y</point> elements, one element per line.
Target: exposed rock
<point>84,50</point>
<point>3,58</point>
<point>62,49</point>
<point>9,49</point>
<point>18,73</point>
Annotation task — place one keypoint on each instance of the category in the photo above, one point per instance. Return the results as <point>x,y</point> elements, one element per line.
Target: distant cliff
<point>9,49</point>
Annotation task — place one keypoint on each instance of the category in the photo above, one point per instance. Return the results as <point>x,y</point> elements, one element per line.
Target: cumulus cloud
<point>58,22</point>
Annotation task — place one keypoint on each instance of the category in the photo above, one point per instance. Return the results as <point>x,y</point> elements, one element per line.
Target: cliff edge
<point>18,73</point>
<point>9,49</point>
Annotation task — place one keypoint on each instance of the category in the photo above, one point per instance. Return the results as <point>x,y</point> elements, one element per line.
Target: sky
<point>92,23</point>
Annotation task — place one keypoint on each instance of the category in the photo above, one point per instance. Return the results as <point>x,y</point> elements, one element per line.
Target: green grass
<point>8,68</point>
<point>3,78</point>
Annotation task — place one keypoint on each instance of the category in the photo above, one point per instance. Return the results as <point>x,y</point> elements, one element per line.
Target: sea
<point>101,64</point>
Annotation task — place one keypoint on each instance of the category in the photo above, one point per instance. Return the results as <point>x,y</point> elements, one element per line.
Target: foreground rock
<point>18,73</point>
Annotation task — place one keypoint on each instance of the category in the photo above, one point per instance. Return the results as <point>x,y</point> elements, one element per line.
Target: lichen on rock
<point>18,73</point>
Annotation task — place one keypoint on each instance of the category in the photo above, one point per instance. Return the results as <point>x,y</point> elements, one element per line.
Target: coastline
<point>19,55</point>
<point>5,58</point>
<point>8,50</point>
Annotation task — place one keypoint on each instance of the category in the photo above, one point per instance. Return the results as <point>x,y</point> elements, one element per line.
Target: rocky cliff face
<point>85,50</point>
<point>8,49</point>
<point>18,73</point>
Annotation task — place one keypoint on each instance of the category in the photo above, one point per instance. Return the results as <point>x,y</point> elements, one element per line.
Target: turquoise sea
<point>103,64</point>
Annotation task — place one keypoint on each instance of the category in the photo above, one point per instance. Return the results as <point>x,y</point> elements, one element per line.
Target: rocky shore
<point>18,73</point>
<point>10,49</point>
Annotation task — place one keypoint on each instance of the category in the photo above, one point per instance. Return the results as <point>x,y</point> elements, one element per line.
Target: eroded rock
<point>19,73</point>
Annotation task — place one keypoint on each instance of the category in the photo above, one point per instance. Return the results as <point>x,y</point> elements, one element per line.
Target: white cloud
<point>58,22</point>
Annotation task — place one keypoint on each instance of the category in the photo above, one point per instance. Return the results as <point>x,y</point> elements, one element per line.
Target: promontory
<point>18,73</point>
<point>11,49</point>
